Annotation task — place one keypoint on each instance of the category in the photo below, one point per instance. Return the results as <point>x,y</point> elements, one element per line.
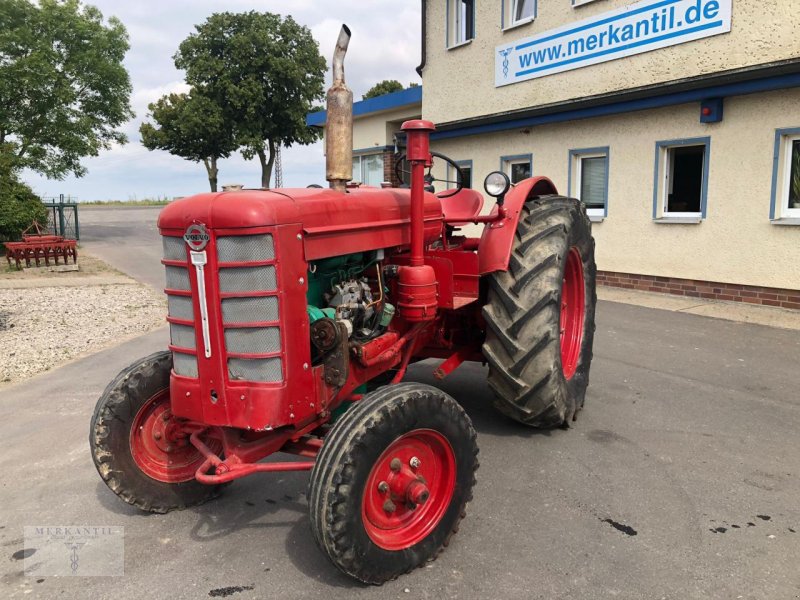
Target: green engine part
<point>388,314</point>
<point>315,313</point>
<point>324,274</point>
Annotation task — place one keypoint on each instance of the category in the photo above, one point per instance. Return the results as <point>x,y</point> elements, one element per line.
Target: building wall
<point>376,129</point>
<point>459,83</point>
<point>736,243</point>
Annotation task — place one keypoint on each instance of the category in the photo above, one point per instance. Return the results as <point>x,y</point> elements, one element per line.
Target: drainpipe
<point>424,45</point>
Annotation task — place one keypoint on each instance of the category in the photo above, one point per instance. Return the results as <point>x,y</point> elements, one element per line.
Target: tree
<point>19,206</point>
<point>387,86</point>
<point>264,71</point>
<point>63,89</point>
<point>190,126</point>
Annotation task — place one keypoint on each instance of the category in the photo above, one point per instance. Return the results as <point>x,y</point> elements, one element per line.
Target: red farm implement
<point>39,247</point>
<point>294,315</point>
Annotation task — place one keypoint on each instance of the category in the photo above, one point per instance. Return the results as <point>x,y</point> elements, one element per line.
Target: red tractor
<point>294,314</point>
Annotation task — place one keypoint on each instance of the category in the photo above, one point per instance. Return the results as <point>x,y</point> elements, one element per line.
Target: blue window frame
<point>784,203</point>
<point>587,179</point>
<point>466,170</point>
<point>680,180</point>
<point>517,166</point>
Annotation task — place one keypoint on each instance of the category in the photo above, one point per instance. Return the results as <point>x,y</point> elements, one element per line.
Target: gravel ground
<point>42,328</point>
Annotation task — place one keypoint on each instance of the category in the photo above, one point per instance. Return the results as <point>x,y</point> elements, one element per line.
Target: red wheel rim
<point>409,489</point>
<point>573,309</point>
<point>159,447</point>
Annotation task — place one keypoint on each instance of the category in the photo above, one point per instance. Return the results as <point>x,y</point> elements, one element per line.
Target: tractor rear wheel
<point>137,447</point>
<point>540,315</point>
<point>392,481</point>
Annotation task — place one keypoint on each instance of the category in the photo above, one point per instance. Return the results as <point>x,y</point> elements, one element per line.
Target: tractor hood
<point>333,223</point>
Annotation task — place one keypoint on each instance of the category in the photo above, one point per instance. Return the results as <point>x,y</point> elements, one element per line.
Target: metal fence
<point>62,217</point>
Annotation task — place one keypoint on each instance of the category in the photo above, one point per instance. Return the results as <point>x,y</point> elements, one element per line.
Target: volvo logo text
<point>196,236</point>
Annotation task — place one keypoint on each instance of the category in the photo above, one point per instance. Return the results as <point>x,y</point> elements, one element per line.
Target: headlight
<point>496,184</point>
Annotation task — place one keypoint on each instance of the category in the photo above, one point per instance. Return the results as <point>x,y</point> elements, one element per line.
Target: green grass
<point>146,202</point>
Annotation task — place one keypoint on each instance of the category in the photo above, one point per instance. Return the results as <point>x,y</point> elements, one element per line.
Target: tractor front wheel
<point>392,481</point>
<point>540,315</point>
<point>138,446</point>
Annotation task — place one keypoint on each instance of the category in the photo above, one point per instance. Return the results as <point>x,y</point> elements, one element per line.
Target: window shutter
<point>593,182</point>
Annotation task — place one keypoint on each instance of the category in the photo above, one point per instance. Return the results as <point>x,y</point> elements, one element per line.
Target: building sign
<point>634,29</point>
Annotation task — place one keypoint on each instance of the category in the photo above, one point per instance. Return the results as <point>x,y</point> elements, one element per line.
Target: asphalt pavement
<point>679,479</point>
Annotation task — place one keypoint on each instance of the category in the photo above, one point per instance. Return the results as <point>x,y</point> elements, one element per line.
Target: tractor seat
<point>459,209</point>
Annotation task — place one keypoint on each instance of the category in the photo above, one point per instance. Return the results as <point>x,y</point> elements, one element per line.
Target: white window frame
<point>576,172</point>
<point>577,3</point>
<point>509,20</point>
<point>663,181</point>
<point>455,27</point>
<point>508,161</point>
<point>361,157</point>
<point>782,210</point>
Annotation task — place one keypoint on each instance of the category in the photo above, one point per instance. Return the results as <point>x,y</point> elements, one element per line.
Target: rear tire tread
<point>522,315</point>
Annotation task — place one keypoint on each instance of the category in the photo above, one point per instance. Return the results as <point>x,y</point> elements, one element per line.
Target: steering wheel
<point>429,178</point>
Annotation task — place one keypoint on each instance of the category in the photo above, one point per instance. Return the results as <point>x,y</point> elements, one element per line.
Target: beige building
<point>677,122</point>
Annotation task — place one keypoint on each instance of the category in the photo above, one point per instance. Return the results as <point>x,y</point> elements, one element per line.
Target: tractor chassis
<point>243,449</point>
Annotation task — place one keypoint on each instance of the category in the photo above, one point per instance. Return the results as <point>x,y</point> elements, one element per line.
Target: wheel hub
<point>159,445</point>
<point>409,489</point>
<point>573,310</point>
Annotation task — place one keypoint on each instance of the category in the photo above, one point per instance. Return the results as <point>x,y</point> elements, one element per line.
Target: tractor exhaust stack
<point>339,121</point>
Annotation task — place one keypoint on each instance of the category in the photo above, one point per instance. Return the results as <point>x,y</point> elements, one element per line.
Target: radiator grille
<point>247,279</point>
<point>238,309</point>
<point>250,248</point>
<point>253,340</point>
<point>177,278</point>
<point>263,369</point>
<point>184,364</point>
<point>180,307</point>
<point>249,310</point>
<point>182,335</point>
<point>174,248</point>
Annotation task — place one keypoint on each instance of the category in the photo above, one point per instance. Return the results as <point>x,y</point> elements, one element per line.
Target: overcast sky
<point>385,45</point>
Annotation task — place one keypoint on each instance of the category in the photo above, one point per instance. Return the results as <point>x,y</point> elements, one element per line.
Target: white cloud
<point>385,45</point>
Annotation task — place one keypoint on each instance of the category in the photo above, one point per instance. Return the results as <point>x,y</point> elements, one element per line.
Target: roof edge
<point>406,97</point>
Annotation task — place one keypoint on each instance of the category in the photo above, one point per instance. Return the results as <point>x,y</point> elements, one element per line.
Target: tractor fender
<point>494,250</point>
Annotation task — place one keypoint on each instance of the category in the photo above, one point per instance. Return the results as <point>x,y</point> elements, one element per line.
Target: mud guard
<point>497,238</point>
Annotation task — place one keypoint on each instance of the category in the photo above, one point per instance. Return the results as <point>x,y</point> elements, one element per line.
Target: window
<point>681,180</point>
<point>466,172</point>
<point>516,167</point>
<point>368,169</point>
<point>588,180</point>
<point>518,12</point>
<point>460,22</point>
<point>786,176</point>
<point>523,10</point>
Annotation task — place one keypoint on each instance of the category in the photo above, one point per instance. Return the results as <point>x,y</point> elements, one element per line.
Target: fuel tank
<point>333,223</point>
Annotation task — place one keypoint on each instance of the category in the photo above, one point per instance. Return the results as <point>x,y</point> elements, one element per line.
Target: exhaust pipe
<point>339,121</point>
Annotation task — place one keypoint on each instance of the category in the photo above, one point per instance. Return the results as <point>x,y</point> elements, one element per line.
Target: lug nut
<point>169,448</point>
<point>395,464</point>
<point>414,462</point>
<point>157,435</point>
<point>389,506</point>
<point>383,487</point>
